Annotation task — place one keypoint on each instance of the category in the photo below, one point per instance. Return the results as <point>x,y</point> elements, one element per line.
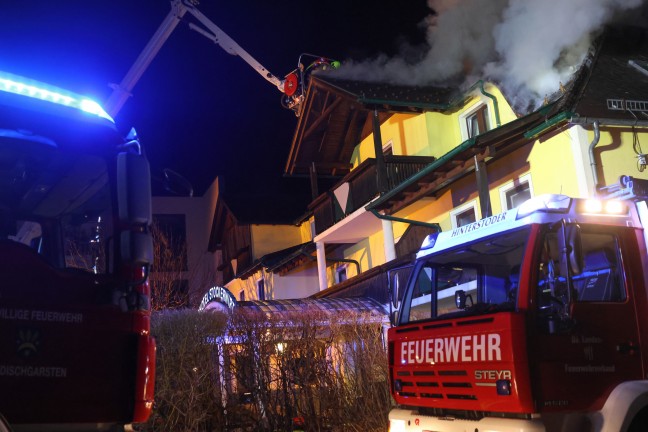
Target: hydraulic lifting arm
<point>122,91</point>
<point>228,44</point>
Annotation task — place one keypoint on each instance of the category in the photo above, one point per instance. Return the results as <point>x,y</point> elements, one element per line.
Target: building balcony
<point>360,187</point>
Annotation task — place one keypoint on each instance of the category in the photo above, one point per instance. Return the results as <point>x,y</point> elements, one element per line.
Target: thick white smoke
<point>530,47</point>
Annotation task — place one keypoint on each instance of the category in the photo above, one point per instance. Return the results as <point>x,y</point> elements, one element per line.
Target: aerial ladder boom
<point>292,86</point>
<point>122,91</point>
<point>219,37</point>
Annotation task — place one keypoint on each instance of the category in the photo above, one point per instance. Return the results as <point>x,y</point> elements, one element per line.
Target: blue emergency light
<point>16,84</point>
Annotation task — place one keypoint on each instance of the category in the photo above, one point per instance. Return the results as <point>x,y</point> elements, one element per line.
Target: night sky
<point>197,109</point>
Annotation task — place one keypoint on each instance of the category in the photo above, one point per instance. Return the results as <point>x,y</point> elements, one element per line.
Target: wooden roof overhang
<point>337,114</point>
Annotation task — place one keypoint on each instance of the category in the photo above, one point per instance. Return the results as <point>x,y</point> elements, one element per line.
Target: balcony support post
<point>381,170</point>
<point>482,188</point>
<point>321,265</point>
<point>388,239</point>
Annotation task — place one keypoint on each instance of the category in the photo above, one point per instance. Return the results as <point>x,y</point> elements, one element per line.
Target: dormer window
<point>477,122</point>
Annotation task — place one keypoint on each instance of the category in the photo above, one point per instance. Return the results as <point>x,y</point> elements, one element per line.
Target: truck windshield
<point>486,272</point>
<point>56,203</point>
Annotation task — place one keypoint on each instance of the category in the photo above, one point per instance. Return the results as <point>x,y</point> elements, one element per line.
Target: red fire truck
<point>75,251</point>
<point>531,320</point>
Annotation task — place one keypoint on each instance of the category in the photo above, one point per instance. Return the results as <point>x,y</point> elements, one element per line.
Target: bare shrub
<point>324,373</point>
<point>295,371</point>
<point>187,396</point>
<point>169,270</point>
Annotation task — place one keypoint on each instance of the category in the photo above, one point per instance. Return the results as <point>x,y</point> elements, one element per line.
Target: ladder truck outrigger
<point>530,320</point>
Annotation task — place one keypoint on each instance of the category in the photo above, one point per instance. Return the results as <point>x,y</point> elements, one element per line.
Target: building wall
<point>271,238</point>
<point>551,161</point>
<point>305,231</point>
<point>198,212</point>
<point>298,283</point>
<point>615,155</point>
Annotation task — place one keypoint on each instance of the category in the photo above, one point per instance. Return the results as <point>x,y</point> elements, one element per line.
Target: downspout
<point>344,260</point>
<point>493,98</point>
<point>483,91</point>
<point>597,136</point>
<point>432,225</point>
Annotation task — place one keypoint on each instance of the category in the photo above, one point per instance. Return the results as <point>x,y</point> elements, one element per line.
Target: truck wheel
<point>640,422</point>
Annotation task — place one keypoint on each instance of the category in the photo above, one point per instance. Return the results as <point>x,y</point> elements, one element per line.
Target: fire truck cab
<point>75,249</point>
<point>530,320</point>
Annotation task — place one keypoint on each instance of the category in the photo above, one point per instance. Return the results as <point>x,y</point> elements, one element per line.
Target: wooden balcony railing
<point>363,187</point>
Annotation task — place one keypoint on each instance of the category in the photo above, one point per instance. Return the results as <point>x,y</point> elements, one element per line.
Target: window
<point>420,306</point>
<point>484,273</point>
<point>599,280</point>
<point>261,289</point>
<point>170,241</point>
<point>464,214</point>
<point>341,274</point>
<point>242,295</point>
<point>477,122</point>
<point>516,192</point>
<point>388,148</point>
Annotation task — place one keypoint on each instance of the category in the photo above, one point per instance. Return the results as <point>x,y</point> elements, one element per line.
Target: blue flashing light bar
<point>15,84</point>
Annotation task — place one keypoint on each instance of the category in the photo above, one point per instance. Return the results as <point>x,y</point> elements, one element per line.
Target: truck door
<point>586,342</point>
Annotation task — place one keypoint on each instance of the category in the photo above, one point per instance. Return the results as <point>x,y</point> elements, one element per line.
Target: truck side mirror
<point>569,241</point>
<point>394,289</point>
<point>460,299</point>
<point>134,202</point>
<point>133,189</point>
<point>576,249</point>
<point>136,247</point>
<point>394,317</point>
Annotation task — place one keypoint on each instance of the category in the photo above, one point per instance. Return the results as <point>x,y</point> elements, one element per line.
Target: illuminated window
<point>388,148</point>
<point>261,289</point>
<point>464,214</point>
<point>341,274</point>
<point>516,192</point>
